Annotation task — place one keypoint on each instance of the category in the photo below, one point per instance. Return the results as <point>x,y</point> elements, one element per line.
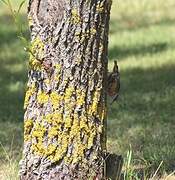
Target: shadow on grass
<point>7,37</point>
<point>11,98</point>
<point>11,108</point>
<point>11,112</point>
<point>130,24</point>
<point>120,53</point>
<point>144,115</point>
<point>13,77</point>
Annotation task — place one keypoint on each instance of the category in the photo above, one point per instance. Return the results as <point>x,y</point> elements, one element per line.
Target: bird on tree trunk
<point>113,83</point>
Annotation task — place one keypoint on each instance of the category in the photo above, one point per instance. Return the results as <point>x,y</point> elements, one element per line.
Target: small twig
<point>15,17</point>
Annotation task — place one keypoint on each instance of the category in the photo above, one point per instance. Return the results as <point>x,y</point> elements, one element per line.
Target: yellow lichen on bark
<point>55,99</point>
<point>28,125</point>
<point>93,108</point>
<point>57,73</point>
<point>42,97</point>
<point>67,128</point>
<point>36,54</point>
<point>100,7</point>
<point>75,16</point>
<point>30,91</point>
<point>30,21</point>
<point>81,95</point>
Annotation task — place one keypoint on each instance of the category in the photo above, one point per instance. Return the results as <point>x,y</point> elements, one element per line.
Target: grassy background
<point>142,38</point>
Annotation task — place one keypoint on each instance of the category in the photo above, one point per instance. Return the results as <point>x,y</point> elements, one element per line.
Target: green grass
<point>142,38</point>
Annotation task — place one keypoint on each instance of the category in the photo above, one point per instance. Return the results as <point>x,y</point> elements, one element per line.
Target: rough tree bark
<point>65,103</point>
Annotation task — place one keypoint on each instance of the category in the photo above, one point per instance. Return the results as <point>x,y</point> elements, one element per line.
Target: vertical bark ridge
<point>65,104</point>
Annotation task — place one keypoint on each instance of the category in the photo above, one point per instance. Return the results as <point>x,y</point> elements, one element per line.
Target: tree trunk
<point>65,103</point>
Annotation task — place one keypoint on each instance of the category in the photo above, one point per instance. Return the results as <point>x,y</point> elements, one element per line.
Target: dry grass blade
<point>156,171</point>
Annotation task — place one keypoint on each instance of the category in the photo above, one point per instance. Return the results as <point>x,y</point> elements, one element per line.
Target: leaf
<point>4,1</point>
<point>21,5</point>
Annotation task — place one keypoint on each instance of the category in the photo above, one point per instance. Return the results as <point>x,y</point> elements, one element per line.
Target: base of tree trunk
<point>114,165</point>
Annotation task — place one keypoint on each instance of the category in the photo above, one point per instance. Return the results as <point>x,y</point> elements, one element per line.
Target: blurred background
<point>141,124</point>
